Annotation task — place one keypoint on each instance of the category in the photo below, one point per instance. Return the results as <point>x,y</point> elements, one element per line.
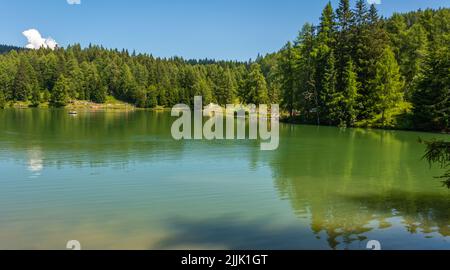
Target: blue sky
<point>221,29</point>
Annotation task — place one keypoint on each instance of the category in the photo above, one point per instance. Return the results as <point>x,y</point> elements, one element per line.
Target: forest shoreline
<point>119,106</point>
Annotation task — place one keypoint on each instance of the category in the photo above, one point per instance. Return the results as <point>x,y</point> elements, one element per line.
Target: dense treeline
<point>353,69</point>
<point>357,69</point>
<point>7,48</point>
<point>94,73</point>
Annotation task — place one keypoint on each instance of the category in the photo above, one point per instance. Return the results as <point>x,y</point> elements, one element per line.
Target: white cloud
<point>376,2</point>
<point>36,41</point>
<point>74,2</point>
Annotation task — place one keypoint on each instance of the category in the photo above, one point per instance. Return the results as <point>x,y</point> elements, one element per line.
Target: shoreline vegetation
<point>353,69</point>
<point>119,106</point>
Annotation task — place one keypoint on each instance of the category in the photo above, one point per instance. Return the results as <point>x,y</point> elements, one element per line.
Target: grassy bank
<point>81,105</point>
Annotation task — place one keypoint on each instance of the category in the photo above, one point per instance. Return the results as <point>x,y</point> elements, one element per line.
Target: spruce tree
<point>288,83</point>
<point>325,61</point>
<point>59,97</point>
<point>257,86</point>
<point>343,50</point>
<point>35,96</point>
<point>328,90</point>
<point>152,94</point>
<point>308,95</point>
<point>388,85</point>
<point>432,95</point>
<point>24,81</point>
<point>350,93</point>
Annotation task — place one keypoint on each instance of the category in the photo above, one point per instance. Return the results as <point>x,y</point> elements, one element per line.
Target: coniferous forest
<point>354,68</point>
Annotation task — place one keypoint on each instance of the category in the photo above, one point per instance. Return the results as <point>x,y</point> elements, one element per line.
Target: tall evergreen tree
<point>307,74</point>
<point>35,96</point>
<point>325,61</point>
<point>288,78</point>
<point>388,84</point>
<point>432,95</point>
<point>24,81</point>
<point>59,96</point>
<point>257,86</point>
<point>224,87</point>
<point>350,93</point>
<point>345,19</point>
<point>328,89</point>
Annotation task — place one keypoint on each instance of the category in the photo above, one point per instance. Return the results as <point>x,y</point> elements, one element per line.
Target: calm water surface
<point>115,180</point>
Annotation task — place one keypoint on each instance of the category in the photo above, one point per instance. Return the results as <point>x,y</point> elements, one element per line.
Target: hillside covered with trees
<point>352,69</point>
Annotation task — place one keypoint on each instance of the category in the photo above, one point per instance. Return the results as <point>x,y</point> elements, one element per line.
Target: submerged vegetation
<point>353,69</point>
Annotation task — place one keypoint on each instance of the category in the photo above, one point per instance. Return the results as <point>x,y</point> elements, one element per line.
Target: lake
<point>117,180</point>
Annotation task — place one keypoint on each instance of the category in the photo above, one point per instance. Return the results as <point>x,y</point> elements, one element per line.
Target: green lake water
<point>115,180</point>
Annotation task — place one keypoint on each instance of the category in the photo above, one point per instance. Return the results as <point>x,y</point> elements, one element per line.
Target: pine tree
<point>59,97</point>
<point>77,78</point>
<point>343,49</point>
<point>412,56</point>
<point>328,89</point>
<point>35,96</point>
<point>50,70</point>
<point>141,97</point>
<point>7,72</point>
<point>93,85</point>
<point>24,81</point>
<point>327,29</point>
<point>361,44</point>
<point>432,95</point>
<point>224,87</point>
<point>152,94</point>
<point>256,86</point>
<point>203,89</point>
<point>350,94</point>
<point>308,95</point>
<point>127,84</point>
<point>325,61</point>
<point>371,45</point>
<point>388,84</point>
<point>288,84</point>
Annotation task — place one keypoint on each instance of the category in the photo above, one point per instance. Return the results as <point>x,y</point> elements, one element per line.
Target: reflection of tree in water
<point>93,138</point>
<point>421,212</point>
<point>345,182</point>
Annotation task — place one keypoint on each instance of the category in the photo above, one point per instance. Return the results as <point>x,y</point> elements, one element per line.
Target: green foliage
<point>354,69</point>
<point>288,81</point>
<point>439,152</point>
<point>35,97</point>
<point>141,98</point>
<point>387,85</point>
<point>256,86</point>
<point>349,102</point>
<point>46,96</point>
<point>2,100</point>
<point>94,73</point>
<point>152,95</point>
<point>59,97</point>
<point>25,80</point>
<point>357,69</point>
<point>432,97</point>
